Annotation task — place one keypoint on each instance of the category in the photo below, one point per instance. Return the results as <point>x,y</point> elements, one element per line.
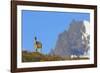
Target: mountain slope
<point>73,41</point>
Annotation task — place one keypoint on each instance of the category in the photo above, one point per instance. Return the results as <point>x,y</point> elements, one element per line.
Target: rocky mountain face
<point>74,41</point>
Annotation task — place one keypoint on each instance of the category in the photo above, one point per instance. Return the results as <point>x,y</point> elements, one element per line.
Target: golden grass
<point>39,57</point>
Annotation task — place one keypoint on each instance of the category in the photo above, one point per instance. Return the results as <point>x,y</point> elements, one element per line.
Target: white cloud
<point>87,26</point>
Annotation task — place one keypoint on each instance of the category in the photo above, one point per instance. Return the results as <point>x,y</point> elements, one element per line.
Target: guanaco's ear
<point>35,38</point>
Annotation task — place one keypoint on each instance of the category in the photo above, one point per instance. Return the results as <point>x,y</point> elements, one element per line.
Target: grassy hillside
<point>39,57</point>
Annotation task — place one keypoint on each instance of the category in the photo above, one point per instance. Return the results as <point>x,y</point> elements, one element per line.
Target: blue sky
<point>46,26</point>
